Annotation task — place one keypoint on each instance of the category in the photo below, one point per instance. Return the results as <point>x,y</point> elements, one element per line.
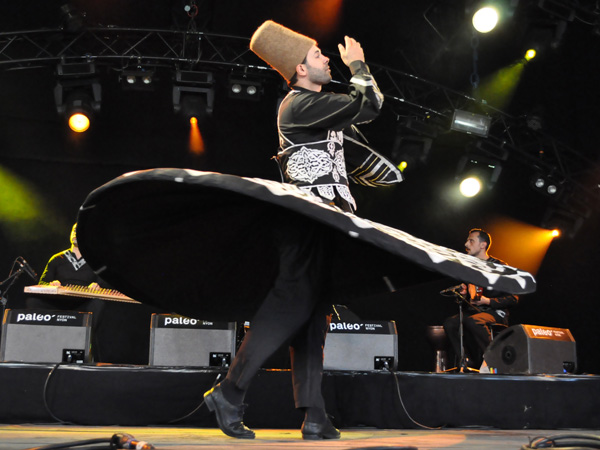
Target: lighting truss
<point>404,92</point>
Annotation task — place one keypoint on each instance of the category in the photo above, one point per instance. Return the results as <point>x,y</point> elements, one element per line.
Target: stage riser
<point>143,395</point>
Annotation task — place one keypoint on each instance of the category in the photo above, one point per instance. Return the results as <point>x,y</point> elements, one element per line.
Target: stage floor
<point>22,437</point>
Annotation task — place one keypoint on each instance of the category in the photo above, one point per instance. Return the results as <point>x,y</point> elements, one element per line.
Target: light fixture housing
<point>139,79</point>
<point>563,219</point>
<point>243,87</point>
<point>550,185</point>
<point>193,94</point>
<point>486,170</point>
<point>77,90</point>
<point>471,123</point>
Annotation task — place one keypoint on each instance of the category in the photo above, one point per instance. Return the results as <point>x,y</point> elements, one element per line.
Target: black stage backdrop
<point>564,298</point>
<point>47,173</point>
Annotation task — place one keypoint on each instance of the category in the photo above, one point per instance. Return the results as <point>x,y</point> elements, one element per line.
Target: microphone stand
<point>463,358</point>
<point>12,277</point>
<point>462,365</point>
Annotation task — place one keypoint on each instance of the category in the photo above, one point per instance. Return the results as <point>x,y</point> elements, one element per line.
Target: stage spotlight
<point>485,19</point>
<point>477,172</point>
<point>563,221</point>
<point>244,88</point>
<point>530,54</point>
<point>470,187</point>
<point>193,95</point>
<point>139,78</point>
<point>412,144</point>
<point>79,110</point>
<point>550,185</point>
<point>193,107</point>
<point>77,94</point>
<point>555,233</point>
<point>539,182</point>
<point>79,122</point>
<point>410,150</point>
<point>471,123</point>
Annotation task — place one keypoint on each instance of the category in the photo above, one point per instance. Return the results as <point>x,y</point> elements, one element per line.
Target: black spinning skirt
<point>201,243</point>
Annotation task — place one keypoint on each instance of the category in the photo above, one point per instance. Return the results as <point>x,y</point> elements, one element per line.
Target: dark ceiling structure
<point>426,59</point>
<point>171,36</point>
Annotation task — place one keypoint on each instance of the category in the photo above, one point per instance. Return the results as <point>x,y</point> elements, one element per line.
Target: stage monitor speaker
<point>361,345</point>
<point>532,349</point>
<point>183,341</point>
<point>43,336</point>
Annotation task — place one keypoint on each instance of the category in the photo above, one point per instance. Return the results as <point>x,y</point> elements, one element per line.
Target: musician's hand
<point>481,301</point>
<point>55,283</point>
<point>94,286</point>
<point>463,289</point>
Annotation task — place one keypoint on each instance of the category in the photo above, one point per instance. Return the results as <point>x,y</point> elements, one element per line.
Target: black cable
<point>402,402</point>
<point>565,442</point>
<point>45,393</point>
<point>527,447</point>
<point>197,407</point>
<point>73,444</point>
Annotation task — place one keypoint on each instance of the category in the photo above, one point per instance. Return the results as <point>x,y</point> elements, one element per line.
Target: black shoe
<point>315,431</point>
<point>229,417</point>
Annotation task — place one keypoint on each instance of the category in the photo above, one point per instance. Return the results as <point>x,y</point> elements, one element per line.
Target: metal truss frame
<point>407,94</point>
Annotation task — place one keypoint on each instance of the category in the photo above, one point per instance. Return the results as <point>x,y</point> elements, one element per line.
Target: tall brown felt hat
<point>280,47</point>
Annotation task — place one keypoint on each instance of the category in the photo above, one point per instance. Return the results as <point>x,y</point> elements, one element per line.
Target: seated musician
<point>68,268</point>
<point>485,307</point>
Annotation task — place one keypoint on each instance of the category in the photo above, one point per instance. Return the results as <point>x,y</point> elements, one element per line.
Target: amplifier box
<point>361,345</point>
<point>183,341</point>
<point>532,349</point>
<point>43,336</point>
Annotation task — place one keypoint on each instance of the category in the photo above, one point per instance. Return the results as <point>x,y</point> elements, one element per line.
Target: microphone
<point>125,440</point>
<point>27,268</point>
<point>451,289</point>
